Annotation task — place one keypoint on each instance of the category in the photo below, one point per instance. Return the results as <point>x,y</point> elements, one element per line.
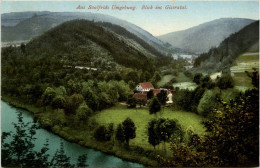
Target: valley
<point>107,84</point>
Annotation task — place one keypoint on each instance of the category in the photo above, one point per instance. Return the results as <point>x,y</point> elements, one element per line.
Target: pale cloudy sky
<point>154,21</point>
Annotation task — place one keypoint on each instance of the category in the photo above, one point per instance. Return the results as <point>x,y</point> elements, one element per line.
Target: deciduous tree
<point>129,130</point>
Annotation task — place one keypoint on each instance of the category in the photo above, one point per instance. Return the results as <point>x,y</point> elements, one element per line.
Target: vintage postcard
<point>167,83</point>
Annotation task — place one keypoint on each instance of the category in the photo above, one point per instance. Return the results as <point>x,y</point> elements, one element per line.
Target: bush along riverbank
<point>81,133</point>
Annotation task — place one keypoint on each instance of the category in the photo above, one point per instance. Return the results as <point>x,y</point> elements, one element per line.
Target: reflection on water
<point>95,158</point>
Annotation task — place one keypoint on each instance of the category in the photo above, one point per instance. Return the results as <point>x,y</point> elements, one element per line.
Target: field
<point>141,117</point>
<point>185,85</point>
<point>165,79</point>
<point>244,62</point>
<point>182,78</point>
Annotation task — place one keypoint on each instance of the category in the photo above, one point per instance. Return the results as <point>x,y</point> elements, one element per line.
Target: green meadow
<point>165,79</point>
<point>141,117</point>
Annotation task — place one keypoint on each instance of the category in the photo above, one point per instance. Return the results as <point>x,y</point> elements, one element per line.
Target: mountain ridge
<point>201,38</point>
<point>222,57</point>
<point>86,43</point>
<point>56,18</point>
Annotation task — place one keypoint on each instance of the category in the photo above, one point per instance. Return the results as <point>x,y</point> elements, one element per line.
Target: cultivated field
<point>245,62</point>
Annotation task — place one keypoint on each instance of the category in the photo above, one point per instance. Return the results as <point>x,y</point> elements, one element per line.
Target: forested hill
<point>22,26</point>
<point>123,32</point>
<point>222,57</point>
<point>85,43</point>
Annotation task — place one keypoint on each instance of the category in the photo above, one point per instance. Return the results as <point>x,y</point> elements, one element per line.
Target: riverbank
<point>83,137</point>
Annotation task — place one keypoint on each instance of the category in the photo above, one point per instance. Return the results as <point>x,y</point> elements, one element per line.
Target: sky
<point>155,21</point>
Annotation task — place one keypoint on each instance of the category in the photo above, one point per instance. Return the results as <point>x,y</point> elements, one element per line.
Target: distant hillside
<point>13,18</point>
<point>222,57</point>
<point>203,37</point>
<point>86,43</point>
<point>123,32</point>
<point>26,25</point>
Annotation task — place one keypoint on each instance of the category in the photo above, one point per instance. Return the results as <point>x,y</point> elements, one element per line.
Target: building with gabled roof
<point>140,96</point>
<point>142,87</point>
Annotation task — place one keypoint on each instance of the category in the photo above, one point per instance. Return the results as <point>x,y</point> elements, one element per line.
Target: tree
<point>110,131</point>
<point>129,130</point>
<point>73,87</point>
<point>141,102</point>
<point>132,76</point>
<point>153,137</point>
<point>225,81</point>
<point>82,160</point>
<point>232,137</point>
<point>162,130</point>
<point>147,75</point>
<point>48,96</point>
<point>150,94</point>
<point>120,133</point>
<point>83,112</point>
<point>73,103</point>
<point>197,94</point>
<point>77,99</point>
<point>169,128</point>
<point>197,78</point>
<point>156,77</point>
<point>162,97</point>
<point>102,133</point>
<point>155,106</point>
<point>60,159</point>
<point>59,102</point>
<point>23,48</point>
<point>20,151</point>
<point>131,102</point>
<point>254,77</point>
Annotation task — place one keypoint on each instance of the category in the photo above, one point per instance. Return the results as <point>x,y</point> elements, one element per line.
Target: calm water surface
<point>95,158</point>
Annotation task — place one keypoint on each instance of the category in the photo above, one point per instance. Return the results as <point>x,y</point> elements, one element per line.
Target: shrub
<point>102,134</point>
<point>139,149</point>
<point>83,112</point>
<point>207,103</point>
<point>225,81</point>
<point>131,102</point>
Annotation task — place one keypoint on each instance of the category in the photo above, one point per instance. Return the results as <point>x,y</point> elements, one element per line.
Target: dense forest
<point>106,73</point>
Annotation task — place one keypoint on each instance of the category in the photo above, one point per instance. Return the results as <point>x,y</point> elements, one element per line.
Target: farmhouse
<point>144,87</point>
<point>140,96</point>
<point>142,90</point>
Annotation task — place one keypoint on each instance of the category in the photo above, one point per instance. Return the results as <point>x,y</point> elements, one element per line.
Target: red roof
<point>140,96</point>
<point>156,91</point>
<point>146,85</point>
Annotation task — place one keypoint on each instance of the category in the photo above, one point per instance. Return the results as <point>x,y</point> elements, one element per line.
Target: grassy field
<point>182,78</point>
<point>185,85</point>
<point>184,82</point>
<point>165,79</point>
<point>141,117</point>
<point>245,62</point>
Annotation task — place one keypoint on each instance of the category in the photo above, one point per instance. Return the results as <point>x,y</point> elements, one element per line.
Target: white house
<point>142,87</point>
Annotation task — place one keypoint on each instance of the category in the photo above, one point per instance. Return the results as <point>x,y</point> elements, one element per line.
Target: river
<point>95,158</point>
